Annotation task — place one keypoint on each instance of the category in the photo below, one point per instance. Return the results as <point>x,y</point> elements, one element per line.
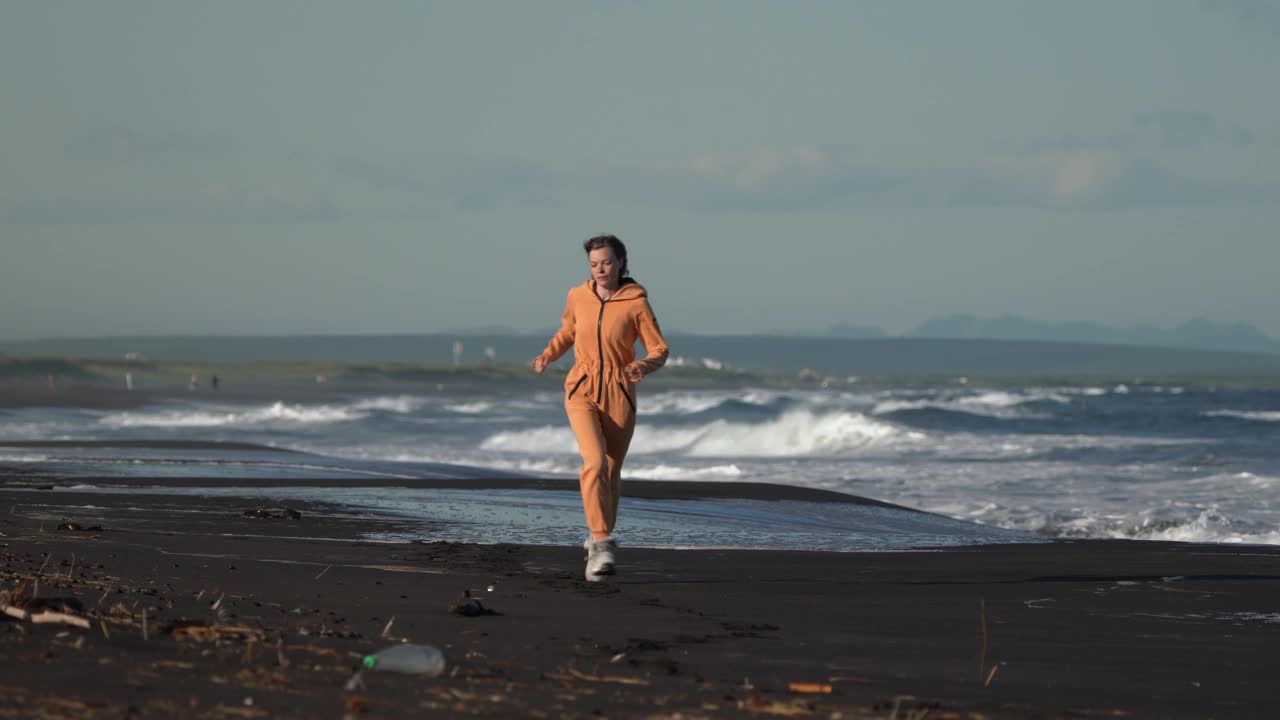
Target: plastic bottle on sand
<point>417,659</point>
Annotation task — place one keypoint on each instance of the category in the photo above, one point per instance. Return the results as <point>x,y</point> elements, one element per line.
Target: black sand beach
<point>195,610</point>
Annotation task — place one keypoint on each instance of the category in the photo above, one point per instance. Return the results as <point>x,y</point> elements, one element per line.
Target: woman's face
<point>604,267</point>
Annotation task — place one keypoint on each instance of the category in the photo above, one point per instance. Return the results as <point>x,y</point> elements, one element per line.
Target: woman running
<point>602,319</point>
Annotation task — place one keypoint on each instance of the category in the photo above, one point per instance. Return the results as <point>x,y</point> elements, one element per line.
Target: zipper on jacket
<point>577,385</point>
<point>600,350</point>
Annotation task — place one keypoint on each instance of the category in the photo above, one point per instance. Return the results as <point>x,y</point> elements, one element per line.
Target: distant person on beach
<point>213,382</point>
<point>602,319</point>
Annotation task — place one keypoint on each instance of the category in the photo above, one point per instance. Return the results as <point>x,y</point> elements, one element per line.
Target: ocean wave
<point>402,404</point>
<point>1207,525</point>
<point>275,413</point>
<point>539,466</point>
<point>676,472</point>
<point>1007,399</point>
<point>478,407</point>
<point>704,362</point>
<point>1175,521</point>
<point>996,404</point>
<point>52,430</point>
<point>692,403</point>
<point>24,458</point>
<point>797,433</point>
<point>548,439</point>
<point>1257,415</point>
<point>1227,482</point>
<point>482,462</point>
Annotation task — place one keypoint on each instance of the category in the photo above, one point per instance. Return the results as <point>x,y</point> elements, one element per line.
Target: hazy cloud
<point>767,179</point>
<point>1085,176</point>
<point>1258,14</point>
<point>1106,173</point>
<point>461,181</point>
<point>815,178</point>
<point>379,177</point>
<point>1188,128</point>
<point>1145,183</point>
<point>1070,142</point>
<point>1169,129</point>
<point>124,144</point>
<point>485,182</point>
<point>171,177</point>
<point>209,205</point>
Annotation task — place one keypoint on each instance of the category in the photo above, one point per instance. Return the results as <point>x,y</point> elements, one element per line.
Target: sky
<point>323,166</point>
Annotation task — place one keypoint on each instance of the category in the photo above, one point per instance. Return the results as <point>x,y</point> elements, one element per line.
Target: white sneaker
<point>600,560</point>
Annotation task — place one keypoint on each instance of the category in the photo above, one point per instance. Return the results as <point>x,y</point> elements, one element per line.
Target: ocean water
<point>1110,461</point>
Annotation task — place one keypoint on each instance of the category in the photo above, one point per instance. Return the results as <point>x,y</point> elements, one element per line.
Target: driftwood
<point>575,674</point>
<point>46,616</point>
<point>201,631</point>
<point>809,687</point>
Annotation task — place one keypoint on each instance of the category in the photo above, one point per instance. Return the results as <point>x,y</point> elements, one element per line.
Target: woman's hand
<point>539,364</point>
<point>634,372</point>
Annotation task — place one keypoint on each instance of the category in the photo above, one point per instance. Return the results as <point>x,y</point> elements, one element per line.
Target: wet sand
<point>198,611</point>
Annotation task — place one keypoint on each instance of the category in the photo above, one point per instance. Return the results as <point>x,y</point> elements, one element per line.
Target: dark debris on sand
<point>260,514</point>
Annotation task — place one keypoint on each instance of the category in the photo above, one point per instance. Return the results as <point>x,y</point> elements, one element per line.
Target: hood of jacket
<point>628,289</point>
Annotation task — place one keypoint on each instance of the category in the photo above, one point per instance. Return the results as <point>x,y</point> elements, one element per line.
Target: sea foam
<point>1257,415</point>
<point>692,403</point>
<point>989,404</point>
<point>797,433</point>
<point>275,413</point>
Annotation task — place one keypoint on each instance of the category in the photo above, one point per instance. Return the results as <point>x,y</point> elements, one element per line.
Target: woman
<point>602,319</point>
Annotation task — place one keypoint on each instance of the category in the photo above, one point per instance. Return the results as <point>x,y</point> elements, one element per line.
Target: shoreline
<point>636,488</point>
<point>534,512</point>
<point>1072,628</point>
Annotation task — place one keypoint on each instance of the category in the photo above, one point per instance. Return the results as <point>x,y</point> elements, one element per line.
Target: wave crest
<point>402,404</point>
<point>478,407</point>
<point>675,472</point>
<point>275,413</point>
<point>996,404</point>
<point>1256,415</point>
<point>692,403</point>
<point>798,433</point>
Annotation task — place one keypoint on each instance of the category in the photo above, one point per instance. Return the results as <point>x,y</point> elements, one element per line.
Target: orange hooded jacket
<point>603,334</point>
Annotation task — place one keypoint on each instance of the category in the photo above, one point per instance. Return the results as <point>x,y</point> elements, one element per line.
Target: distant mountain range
<point>839,330</point>
<point>1198,334</point>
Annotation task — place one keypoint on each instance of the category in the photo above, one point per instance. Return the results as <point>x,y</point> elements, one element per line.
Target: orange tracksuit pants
<point>603,419</point>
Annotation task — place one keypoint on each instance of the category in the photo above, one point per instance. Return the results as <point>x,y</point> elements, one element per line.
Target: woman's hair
<point>612,242</point>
